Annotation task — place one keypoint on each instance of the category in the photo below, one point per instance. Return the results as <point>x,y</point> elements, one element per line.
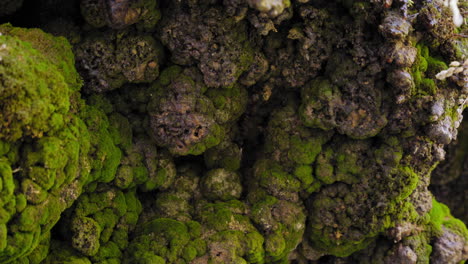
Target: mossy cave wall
<point>256,131</point>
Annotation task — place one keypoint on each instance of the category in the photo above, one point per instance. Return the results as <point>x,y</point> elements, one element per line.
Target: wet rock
<point>450,248</point>
<point>395,26</point>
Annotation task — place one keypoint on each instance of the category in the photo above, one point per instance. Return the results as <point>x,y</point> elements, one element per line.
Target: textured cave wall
<point>449,181</point>
<point>234,131</point>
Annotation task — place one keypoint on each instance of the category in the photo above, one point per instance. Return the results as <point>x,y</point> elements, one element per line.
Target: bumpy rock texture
<point>234,131</point>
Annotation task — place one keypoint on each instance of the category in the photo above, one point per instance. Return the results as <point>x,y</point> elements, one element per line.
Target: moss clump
<point>231,237</point>
<point>86,237</point>
<point>107,155</point>
<point>289,142</point>
<point>226,155</point>
<point>376,177</point>
<point>275,180</point>
<point>440,217</point>
<point>220,184</point>
<point>317,97</point>
<point>61,253</point>
<point>424,71</point>
<point>163,240</point>
<point>101,222</point>
<point>55,153</point>
<point>107,61</point>
<point>319,125</point>
<point>46,151</point>
<point>222,57</point>
<point>36,91</point>
<point>179,98</point>
<point>56,49</point>
<point>282,223</point>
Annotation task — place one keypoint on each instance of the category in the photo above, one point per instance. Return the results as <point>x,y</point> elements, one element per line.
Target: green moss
<point>38,255</point>
<point>246,57</point>
<point>421,246</point>
<point>221,184</point>
<point>342,162</point>
<point>254,248</point>
<point>424,70</point>
<point>172,205</point>
<point>19,244</point>
<point>169,74</point>
<point>341,229</point>
<point>189,253</point>
<point>165,173</point>
<point>304,174</point>
<point>148,258</point>
<point>36,91</point>
<point>124,177</point>
<point>315,98</point>
<point>289,142</point>
<point>324,170</point>
<point>140,174</point>
<point>457,226</point>
<point>120,130</point>
<point>7,185</point>
<point>29,218</point>
<point>86,235</point>
<point>230,232</point>
<point>229,103</point>
<point>409,182</point>
<point>435,65</point>
<point>275,245</point>
<point>107,220</point>
<point>226,155</point>
<point>200,245</point>
<point>344,249</point>
<point>106,155</point>
<point>440,217</point>
<point>3,236</point>
<point>56,49</point>
<point>21,202</point>
<point>285,222</point>
<point>304,151</point>
<point>4,147</point>
<point>60,253</point>
<point>34,193</point>
<point>215,137</point>
<point>184,99</point>
<point>57,153</point>
<point>347,165</point>
<point>107,252</point>
<point>101,102</point>
<point>272,177</point>
<point>171,245</point>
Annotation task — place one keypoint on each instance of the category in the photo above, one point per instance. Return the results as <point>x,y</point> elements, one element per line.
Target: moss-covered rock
<point>107,61</point>
<point>101,223</point>
<point>54,153</point>
<point>185,118</point>
<point>220,184</point>
<point>218,45</point>
<point>319,122</point>
<point>164,240</point>
<point>36,91</point>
